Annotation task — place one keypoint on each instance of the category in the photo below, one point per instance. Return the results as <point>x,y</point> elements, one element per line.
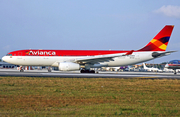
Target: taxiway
<point>77,74</point>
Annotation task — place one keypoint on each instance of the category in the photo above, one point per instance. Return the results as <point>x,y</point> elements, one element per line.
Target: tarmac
<point>77,74</point>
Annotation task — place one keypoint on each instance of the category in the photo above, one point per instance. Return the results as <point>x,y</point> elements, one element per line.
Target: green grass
<point>37,96</point>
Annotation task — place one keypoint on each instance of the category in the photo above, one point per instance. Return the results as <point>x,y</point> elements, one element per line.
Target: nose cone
<point>3,58</point>
<point>166,66</point>
<point>8,59</point>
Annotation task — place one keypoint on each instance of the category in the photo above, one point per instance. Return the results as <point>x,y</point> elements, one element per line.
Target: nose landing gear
<point>49,69</point>
<point>21,69</point>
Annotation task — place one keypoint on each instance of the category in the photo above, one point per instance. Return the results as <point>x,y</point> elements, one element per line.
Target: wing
<point>101,58</point>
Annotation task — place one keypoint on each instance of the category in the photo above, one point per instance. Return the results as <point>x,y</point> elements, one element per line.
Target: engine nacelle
<point>68,66</point>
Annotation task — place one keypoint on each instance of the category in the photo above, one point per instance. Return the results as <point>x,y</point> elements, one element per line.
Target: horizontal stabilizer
<point>156,54</point>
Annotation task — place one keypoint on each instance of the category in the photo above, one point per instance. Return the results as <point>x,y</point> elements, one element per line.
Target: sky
<point>87,24</point>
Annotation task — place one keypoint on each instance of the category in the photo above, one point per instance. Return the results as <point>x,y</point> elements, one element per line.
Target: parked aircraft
<point>83,60</point>
<point>116,68</point>
<point>167,70</point>
<point>112,68</point>
<point>150,69</point>
<point>174,64</point>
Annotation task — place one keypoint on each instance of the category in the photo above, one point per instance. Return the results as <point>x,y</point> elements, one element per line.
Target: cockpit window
<point>9,55</point>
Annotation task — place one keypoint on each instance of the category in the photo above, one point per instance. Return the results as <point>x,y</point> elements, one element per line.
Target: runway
<point>77,74</point>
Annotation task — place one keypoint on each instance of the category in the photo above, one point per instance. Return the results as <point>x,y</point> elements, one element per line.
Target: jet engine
<point>68,66</point>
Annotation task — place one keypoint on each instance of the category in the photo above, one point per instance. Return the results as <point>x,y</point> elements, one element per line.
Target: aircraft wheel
<point>21,70</point>
<point>92,71</point>
<point>82,71</point>
<point>87,71</point>
<point>49,69</point>
<point>175,72</point>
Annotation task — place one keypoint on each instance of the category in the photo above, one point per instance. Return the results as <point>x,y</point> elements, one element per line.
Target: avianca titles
<point>83,60</point>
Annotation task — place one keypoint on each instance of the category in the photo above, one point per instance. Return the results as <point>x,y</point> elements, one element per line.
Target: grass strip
<point>38,96</point>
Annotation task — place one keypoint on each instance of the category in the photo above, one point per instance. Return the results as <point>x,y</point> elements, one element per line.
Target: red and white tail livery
<point>83,60</point>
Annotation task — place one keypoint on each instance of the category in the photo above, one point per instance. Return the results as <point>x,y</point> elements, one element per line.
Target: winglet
<point>130,52</point>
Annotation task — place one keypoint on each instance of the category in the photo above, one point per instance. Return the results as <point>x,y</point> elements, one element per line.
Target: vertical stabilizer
<point>144,66</point>
<point>160,41</point>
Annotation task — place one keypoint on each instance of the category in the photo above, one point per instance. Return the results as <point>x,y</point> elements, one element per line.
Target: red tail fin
<point>160,41</point>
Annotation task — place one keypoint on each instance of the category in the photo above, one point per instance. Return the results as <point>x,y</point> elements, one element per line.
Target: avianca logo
<point>45,53</point>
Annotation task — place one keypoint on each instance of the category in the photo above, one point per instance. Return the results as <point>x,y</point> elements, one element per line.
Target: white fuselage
<point>136,57</point>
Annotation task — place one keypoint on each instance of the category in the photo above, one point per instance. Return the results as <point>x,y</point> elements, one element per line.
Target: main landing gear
<point>88,71</point>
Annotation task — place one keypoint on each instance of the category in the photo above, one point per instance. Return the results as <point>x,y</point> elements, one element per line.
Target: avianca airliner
<point>83,60</point>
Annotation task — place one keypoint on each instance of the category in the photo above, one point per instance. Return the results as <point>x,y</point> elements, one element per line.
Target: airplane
<point>112,68</point>
<point>174,65</point>
<point>167,70</point>
<point>115,68</point>
<point>119,68</point>
<point>150,69</point>
<point>84,60</point>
